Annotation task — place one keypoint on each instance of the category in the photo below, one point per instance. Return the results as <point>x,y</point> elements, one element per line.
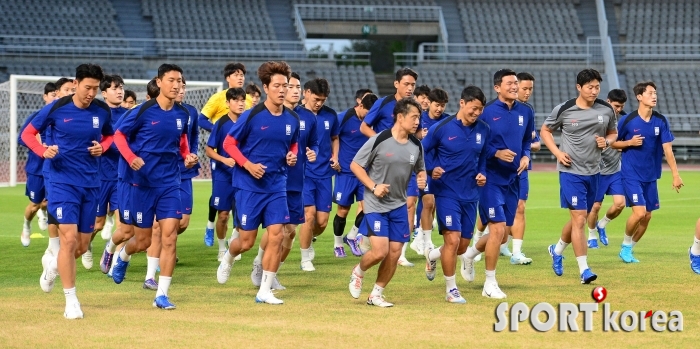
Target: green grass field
<point>318,310</point>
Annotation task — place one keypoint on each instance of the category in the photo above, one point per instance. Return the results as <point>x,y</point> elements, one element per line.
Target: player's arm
<point>128,125</point>
<point>419,168</point>
<point>430,143</point>
<point>38,124</point>
<point>370,119</point>
<point>335,147</point>
<point>209,111</point>
<point>671,161</point>
<point>293,149</point>
<point>553,122</point>
<point>536,145</point>
<point>205,123</point>
<point>97,149</point>
<point>361,160</point>
<point>481,174</point>
<point>526,145</point>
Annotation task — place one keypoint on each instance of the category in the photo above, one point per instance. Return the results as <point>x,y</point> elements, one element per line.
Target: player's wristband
<point>374,188</point>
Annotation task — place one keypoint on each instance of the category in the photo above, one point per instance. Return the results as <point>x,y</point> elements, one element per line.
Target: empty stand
<point>367,10</point>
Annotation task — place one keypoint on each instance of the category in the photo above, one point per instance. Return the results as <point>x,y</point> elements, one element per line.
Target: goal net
<point>22,95</point>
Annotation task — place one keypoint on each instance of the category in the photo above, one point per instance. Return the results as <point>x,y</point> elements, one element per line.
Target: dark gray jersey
<point>610,161</point>
<point>578,130</point>
<point>389,162</point>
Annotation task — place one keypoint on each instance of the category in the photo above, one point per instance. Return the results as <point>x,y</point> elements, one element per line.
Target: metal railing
<point>606,46</point>
<point>656,52</point>
<point>299,23</point>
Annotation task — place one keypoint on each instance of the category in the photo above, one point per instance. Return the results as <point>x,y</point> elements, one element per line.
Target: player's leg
<point>73,244</point>
<point>324,202</point>
<point>168,212</point>
<point>592,219</point>
<point>211,219</point>
<point>636,196</point>
<point>142,204</point>
<point>375,226</point>
<point>153,257</point>
<point>187,197</point>
<point>694,250</point>
<point>221,230</point>
<point>411,201</point>
<point>518,233</point>
<point>29,212</point>
<point>426,220</point>
<point>249,214</point>
<point>306,230</point>
<point>105,192</point>
<point>611,185</point>
<point>399,234</point>
<point>351,239</point>
<point>339,222</point>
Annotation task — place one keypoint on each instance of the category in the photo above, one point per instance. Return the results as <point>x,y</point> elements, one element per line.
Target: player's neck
<point>289,105</point>
<point>165,103</point>
<point>521,101</point>
<point>78,103</point>
<point>308,107</point>
<point>274,109</point>
<point>358,115</point>
<point>430,115</point>
<point>583,104</point>
<point>506,101</point>
<point>464,120</point>
<point>399,133</point>
<point>233,116</point>
<point>645,112</point>
<point>113,105</point>
<point>397,96</point>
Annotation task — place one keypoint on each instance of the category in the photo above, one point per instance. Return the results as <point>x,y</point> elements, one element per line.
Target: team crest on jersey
<point>448,221</point>
<point>520,120</point>
<point>478,138</point>
<point>139,217</point>
<point>302,125</point>
<point>59,213</point>
<point>492,212</point>
<point>600,119</point>
<point>244,219</point>
<point>635,198</point>
<point>656,131</point>
<point>125,213</point>
<point>179,124</point>
<point>338,196</point>
<point>412,159</point>
<point>95,122</point>
<point>327,124</point>
<point>377,226</point>
<point>288,130</point>
<point>574,201</point>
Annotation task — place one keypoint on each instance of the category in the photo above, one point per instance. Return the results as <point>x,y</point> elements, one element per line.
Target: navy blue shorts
<point>222,196</point>
<point>498,203</point>
<point>392,224</point>
<point>348,190</point>
<point>186,196</point>
<point>455,215</point>
<point>577,192</point>
<point>318,192</point>
<point>108,196</point>
<point>412,189</point>
<point>295,205</point>
<point>609,185</point>
<point>47,185</point>
<point>144,204</point>
<point>524,189</point>
<point>35,189</point>
<point>74,205</point>
<point>253,209</point>
<point>641,194</point>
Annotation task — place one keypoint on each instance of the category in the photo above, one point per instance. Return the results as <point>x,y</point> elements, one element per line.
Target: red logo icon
<point>648,314</point>
<point>451,138</point>
<point>599,294</point>
<point>67,120</point>
<point>178,212</point>
<point>389,154</point>
<point>264,127</point>
<point>496,119</point>
<point>155,122</point>
<point>637,129</point>
<point>353,131</point>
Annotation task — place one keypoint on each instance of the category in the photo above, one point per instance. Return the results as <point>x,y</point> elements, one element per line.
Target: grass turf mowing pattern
<point>318,309</point>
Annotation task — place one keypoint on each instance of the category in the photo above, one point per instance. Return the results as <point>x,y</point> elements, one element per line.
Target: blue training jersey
<point>35,163</point>
<point>308,137</point>
<point>426,123</point>
<point>74,129</point>
<point>326,129</point>
<point>350,138</point>
<point>193,142</point>
<point>460,151</point>
<point>109,161</point>
<point>220,171</point>
<point>643,163</point>
<point>381,116</point>
<point>266,139</point>
<point>153,134</point>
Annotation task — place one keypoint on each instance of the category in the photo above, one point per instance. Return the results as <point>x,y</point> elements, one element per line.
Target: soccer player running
<point>152,139</point>
<point>35,188</point>
<point>318,178</point>
<point>263,143</point>
<point>507,155</point>
<point>645,137</point>
<point>348,188</point>
<point>380,118</point>
<point>384,165</point>
<point>458,144</point>
<point>587,127</point>
<point>81,131</point>
<point>610,182</point>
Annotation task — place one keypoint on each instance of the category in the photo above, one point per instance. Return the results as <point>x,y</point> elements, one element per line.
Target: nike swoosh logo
<point>389,154</point>
<point>495,119</point>
<point>353,131</point>
<point>188,208</point>
<point>488,294</point>
<point>178,212</point>
<point>155,122</point>
<point>637,129</point>
<point>67,120</point>
<point>264,127</point>
<point>451,138</point>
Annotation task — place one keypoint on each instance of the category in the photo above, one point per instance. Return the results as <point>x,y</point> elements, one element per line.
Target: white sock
<point>110,220</point>
<point>305,255</point>
<point>592,234</point>
<point>163,285</point>
<point>122,254</point>
<point>210,225</point>
<point>234,234</point>
<point>450,283</point>
<point>471,253</point>
<point>228,257</point>
<point>54,245</point>
<point>403,251</point>
<point>628,240</point>
<point>435,254</point>
<point>222,244</point>
<point>151,267</point>
<point>71,296</point>
<point>517,246</point>
<point>376,291</point>
<point>491,276</point>
<point>258,258</point>
<point>338,241</point>
<point>560,246</point>
<point>582,263</point>
<point>604,221</point>
<point>695,249</point>
<point>358,271</point>
<point>419,236</point>
<point>505,244</point>
<point>266,282</point>
<point>27,225</point>
<point>352,234</point>
<point>427,237</point>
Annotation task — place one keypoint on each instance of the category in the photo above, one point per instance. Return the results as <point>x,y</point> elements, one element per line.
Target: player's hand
<point>229,162</point>
<point>480,180</point>
<point>381,190</point>
<point>563,158</point>
<point>136,164</point>
<point>291,159</point>
<point>437,173</point>
<point>421,180</point>
<point>335,164</point>
<point>191,160</point>
<point>310,155</point>
<point>600,142</point>
<point>506,155</point>
<point>256,170</point>
<point>636,141</point>
<point>677,183</point>
<point>524,162</point>
<point>95,149</point>
<point>50,152</point>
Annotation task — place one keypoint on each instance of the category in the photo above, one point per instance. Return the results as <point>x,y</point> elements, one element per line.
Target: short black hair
<point>235,93</point>
<point>232,68</point>
<point>587,75</point>
<point>640,87</point>
<point>499,75</point>
<point>618,95</point>
<point>89,71</point>
<point>368,100</point>
<point>318,86</point>
<point>49,87</point>
<point>523,76</point>
<point>438,95</point>
<point>129,93</point>
<point>108,80</point>
<point>361,92</point>
<point>152,89</point>
<point>294,75</point>
<point>183,81</point>
<point>471,93</point>
<point>405,71</point>
<point>403,106</point>
<point>422,90</point>
<point>62,81</point>
<point>167,67</point>
<point>253,88</point>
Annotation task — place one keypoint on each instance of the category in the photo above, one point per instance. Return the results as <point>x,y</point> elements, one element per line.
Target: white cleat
<point>355,285</point>
<point>73,311</point>
<point>238,258</point>
<point>404,262</point>
<point>87,258</point>
<point>25,237</point>
<point>520,259</point>
<point>417,246</point>
<point>42,219</point>
<point>268,298</point>
<point>312,252</point>
<point>504,251</point>
<point>106,233</point>
<point>307,266</point>
<point>491,290</point>
<point>478,257</point>
<point>256,274</point>
<point>364,243</point>
<point>453,296</point>
<point>467,269</point>
<point>276,285</point>
<point>48,276</point>
<point>221,256</point>
<point>430,266</point>
<point>223,273</point>
<point>379,301</point>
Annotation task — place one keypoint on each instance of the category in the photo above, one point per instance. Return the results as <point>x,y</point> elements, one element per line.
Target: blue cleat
<point>106,261</point>
<point>163,302</point>
<point>602,235</point>
<point>593,243</point>
<point>354,246</point>
<point>209,237</point>
<point>119,270</point>
<point>150,284</point>
<point>556,261</point>
<point>694,262</point>
<point>587,276</point>
<point>626,254</point>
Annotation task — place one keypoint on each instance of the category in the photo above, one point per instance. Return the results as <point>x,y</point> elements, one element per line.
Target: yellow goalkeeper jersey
<point>216,106</point>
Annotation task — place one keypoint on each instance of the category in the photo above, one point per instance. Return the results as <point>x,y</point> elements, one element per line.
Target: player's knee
<point>342,211</point>
<point>451,240</point>
<point>647,216</point>
<point>290,232</point>
<point>521,207</point>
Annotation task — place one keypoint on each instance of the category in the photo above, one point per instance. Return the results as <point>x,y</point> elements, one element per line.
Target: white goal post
<point>22,95</point>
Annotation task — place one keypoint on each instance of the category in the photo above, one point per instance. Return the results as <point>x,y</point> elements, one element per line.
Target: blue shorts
<point>641,194</point>
<point>35,190</point>
<point>74,205</point>
<point>295,205</point>
<point>253,209</point>
<point>392,224</point>
<point>524,189</point>
<point>318,192</point>
<point>412,189</point>
<point>146,203</point>
<point>609,185</point>
<point>186,196</point>
<point>348,189</point>
<point>498,203</point>
<point>108,196</point>
<point>577,192</point>
<point>47,186</point>
<point>222,196</point>
<point>455,215</point>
